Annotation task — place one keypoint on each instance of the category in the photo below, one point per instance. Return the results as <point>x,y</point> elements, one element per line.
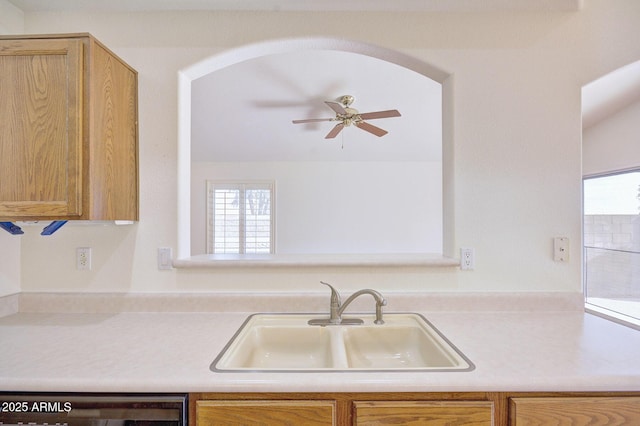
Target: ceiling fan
<point>346,116</point>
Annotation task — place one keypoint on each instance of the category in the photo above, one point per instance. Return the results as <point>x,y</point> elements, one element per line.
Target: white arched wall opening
<point>241,54</point>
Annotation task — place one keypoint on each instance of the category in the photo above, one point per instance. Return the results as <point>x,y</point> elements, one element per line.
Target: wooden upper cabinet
<point>68,130</point>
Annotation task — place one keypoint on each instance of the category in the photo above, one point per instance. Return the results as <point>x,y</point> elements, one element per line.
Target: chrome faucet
<point>336,308</point>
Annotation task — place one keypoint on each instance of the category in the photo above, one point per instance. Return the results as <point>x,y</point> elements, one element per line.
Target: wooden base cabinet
<point>342,409</point>
<point>416,408</point>
<point>69,130</point>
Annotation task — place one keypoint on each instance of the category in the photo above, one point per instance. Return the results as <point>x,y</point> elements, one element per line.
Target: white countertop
<point>172,352</point>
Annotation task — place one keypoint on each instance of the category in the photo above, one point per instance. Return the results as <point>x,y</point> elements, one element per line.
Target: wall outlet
<point>467,259</point>
<point>83,258</point>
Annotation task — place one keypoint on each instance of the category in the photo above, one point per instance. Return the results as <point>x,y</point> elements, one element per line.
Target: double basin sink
<point>286,342</point>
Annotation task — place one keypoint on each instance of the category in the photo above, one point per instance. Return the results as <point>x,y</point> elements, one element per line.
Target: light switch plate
<point>164,258</point>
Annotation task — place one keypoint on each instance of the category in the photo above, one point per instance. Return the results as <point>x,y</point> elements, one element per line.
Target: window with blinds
<point>240,217</point>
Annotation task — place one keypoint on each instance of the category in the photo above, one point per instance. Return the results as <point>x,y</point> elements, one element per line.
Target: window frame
<point>603,306</point>
<point>242,185</point>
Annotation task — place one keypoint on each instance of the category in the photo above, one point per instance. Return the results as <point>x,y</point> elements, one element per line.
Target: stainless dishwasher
<point>31,409</point>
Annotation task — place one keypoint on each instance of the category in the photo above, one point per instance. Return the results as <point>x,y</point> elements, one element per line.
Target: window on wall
<point>240,217</point>
<point>612,245</point>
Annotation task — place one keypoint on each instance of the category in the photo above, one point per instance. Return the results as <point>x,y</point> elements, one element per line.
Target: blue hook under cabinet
<point>14,229</point>
<point>53,227</point>
<point>11,228</point>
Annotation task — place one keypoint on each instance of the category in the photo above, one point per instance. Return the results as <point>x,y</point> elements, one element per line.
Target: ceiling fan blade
<point>334,132</point>
<point>311,120</point>
<point>338,108</point>
<point>380,114</point>
<point>371,128</point>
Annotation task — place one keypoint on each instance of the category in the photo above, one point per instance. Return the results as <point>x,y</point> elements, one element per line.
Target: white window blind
<point>240,217</point>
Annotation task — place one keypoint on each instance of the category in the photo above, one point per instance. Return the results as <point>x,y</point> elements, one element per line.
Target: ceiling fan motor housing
<point>350,117</point>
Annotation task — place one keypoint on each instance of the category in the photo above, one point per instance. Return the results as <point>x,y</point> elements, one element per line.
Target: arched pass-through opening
<point>241,54</point>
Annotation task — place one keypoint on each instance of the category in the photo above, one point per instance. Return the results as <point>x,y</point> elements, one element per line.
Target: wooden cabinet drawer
<point>266,412</point>
<point>575,411</point>
<point>433,413</point>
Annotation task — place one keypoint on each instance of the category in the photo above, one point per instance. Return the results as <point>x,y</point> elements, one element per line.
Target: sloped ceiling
<point>610,94</point>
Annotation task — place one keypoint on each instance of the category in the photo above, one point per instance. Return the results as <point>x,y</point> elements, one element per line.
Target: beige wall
<point>11,18</point>
<point>517,142</point>
<point>9,263</point>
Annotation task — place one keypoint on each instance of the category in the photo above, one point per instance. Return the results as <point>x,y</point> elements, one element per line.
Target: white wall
<point>338,207</point>
<point>11,18</point>
<point>9,263</point>
<point>613,144</point>
<point>516,130</point>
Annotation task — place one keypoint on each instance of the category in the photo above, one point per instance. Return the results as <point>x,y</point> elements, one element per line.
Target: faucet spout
<point>336,308</point>
<point>380,302</point>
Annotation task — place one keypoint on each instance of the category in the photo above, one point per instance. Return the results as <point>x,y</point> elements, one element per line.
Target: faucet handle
<point>334,306</point>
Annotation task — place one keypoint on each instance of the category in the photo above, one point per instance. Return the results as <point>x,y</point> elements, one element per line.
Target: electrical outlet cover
<point>467,259</point>
<point>83,258</point>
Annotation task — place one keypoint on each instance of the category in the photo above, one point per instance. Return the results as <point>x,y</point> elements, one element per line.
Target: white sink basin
<point>272,347</point>
<point>285,342</point>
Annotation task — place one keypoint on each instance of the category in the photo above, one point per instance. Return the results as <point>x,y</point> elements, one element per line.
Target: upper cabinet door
<point>41,128</point>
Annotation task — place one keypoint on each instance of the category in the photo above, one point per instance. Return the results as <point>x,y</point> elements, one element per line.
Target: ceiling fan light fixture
<point>347,116</point>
